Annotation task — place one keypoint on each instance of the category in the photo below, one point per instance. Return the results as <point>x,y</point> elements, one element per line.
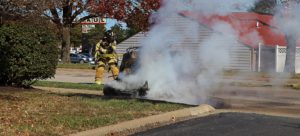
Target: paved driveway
<point>282,102</point>
<point>230,124</point>
<point>77,76</point>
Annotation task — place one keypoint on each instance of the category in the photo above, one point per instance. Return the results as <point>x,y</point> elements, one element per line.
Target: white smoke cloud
<point>287,20</point>
<point>169,68</point>
<point>287,17</point>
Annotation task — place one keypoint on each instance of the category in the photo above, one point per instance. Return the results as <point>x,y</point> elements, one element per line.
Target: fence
<point>280,58</point>
<point>273,58</point>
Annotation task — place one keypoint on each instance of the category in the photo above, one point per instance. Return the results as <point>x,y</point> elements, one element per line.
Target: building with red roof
<point>246,23</point>
<point>260,45</point>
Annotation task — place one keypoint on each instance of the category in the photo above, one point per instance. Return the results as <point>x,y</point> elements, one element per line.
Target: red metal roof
<point>245,24</point>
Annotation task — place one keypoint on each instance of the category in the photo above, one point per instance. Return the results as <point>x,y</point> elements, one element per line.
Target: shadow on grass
<point>95,96</point>
<point>83,95</point>
<point>87,83</point>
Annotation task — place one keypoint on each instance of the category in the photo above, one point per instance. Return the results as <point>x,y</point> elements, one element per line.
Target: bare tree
<point>10,11</point>
<point>66,14</point>
<point>288,18</point>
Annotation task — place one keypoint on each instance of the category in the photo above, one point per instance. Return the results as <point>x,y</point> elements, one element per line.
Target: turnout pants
<point>100,70</point>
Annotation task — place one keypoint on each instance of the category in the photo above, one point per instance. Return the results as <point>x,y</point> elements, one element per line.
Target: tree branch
<point>77,12</point>
<point>84,18</point>
<point>55,17</point>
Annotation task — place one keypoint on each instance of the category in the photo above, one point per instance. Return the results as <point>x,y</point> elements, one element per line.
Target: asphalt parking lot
<point>230,124</point>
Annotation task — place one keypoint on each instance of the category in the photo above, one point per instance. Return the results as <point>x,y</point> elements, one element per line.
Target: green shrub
<point>27,53</point>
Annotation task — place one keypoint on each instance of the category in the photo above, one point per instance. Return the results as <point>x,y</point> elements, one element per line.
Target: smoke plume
<point>175,73</point>
<point>287,17</point>
<point>287,20</point>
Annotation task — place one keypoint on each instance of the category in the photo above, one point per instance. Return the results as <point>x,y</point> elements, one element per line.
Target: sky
<point>112,22</point>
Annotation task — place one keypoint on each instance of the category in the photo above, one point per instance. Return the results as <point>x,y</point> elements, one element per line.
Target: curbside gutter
<point>164,118</point>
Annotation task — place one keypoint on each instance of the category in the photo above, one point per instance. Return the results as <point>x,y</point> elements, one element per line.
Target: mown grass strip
<point>67,85</point>
<point>43,113</point>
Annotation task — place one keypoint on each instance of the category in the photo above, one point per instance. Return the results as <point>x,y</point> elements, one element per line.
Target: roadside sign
<point>96,20</point>
<point>87,27</point>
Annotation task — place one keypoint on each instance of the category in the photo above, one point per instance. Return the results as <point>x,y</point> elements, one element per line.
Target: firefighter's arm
<point>113,46</point>
<point>102,50</point>
<point>99,48</point>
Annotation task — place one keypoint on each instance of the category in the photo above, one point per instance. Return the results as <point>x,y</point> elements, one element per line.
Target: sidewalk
<point>77,76</point>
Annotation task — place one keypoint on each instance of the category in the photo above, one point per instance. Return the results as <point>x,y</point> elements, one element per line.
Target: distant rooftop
<point>252,28</point>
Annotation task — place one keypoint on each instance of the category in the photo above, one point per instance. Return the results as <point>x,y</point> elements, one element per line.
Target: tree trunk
<point>65,46</point>
<point>290,53</point>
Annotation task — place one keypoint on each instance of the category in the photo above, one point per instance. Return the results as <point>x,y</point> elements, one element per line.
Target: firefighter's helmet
<point>109,35</point>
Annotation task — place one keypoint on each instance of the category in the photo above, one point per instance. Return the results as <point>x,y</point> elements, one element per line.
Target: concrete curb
<point>201,110</point>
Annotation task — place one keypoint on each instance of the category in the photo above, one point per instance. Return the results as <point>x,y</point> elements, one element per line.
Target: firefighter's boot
<point>99,75</point>
<point>115,71</point>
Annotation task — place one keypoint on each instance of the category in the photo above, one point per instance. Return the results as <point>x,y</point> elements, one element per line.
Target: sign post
<point>86,27</point>
<point>89,24</point>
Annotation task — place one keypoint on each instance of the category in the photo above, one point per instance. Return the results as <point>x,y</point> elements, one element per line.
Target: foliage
<point>10,11</point>
<point>66,14</point>
<point>76,36</point>
<point>95,34</point>
<point>121,34</point>
<point>132,31</point>
<point>135,13</point>
<point>265,6</point>
<point>139,18</point>
<point>27,53</point>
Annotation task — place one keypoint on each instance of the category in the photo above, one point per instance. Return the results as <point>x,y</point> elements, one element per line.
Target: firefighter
<point>106,55</point>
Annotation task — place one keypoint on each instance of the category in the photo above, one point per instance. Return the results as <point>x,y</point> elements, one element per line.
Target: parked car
<point>85,58</point>
<point>76,58</point>
<point>89,57</point>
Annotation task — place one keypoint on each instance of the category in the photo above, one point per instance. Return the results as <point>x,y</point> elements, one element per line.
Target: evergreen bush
<point>27,53</point>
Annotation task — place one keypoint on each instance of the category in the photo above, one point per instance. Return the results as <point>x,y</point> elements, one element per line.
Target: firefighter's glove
<point>103,50</point>
<point>110,49</point>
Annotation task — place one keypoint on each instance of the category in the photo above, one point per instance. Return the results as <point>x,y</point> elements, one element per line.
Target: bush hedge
<point>27,53</point>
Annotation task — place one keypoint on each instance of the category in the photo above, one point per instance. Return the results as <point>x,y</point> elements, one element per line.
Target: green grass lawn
<point>68,85</point>
<point>36,112</point>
